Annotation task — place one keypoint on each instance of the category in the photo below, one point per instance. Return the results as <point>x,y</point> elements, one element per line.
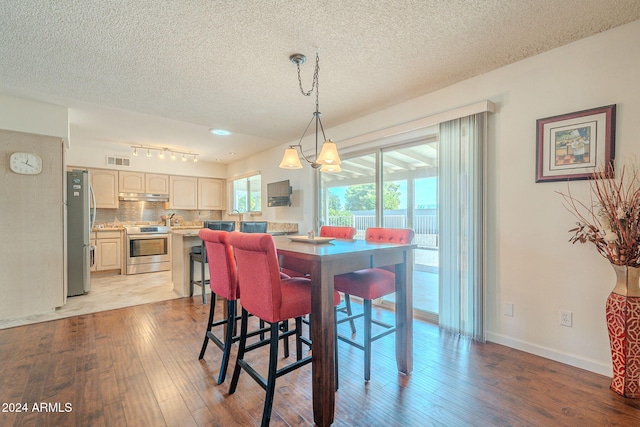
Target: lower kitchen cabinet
<point>108,252</point>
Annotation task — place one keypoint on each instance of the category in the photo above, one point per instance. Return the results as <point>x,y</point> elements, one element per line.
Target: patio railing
<point>425,226</point>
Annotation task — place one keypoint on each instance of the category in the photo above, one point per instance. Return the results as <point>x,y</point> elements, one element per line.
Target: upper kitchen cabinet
<point>138,182</point>
<point>211,194</point>
<point>183,192</point>
<point>156,183</point>
<point>105,187</point>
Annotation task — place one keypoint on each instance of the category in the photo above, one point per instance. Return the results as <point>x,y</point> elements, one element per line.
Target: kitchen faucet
<point>239,215</point>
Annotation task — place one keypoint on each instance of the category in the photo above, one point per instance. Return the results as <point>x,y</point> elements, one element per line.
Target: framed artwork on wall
<point>572,146</point>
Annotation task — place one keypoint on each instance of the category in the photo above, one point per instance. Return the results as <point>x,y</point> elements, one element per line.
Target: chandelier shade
<point>329,154</point>
<point>290,160</point>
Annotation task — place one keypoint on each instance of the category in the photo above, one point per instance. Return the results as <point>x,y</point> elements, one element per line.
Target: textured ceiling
<point>163,72</point>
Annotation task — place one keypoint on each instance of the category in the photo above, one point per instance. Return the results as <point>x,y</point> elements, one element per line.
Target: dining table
<point>325,259</point>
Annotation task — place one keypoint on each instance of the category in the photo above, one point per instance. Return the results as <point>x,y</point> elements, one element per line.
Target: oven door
<point>147,253</point>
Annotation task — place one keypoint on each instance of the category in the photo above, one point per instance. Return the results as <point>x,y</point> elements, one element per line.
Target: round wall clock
<point>25,163</point>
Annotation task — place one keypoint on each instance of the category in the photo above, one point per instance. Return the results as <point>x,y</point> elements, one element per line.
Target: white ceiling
<point>163,72</point>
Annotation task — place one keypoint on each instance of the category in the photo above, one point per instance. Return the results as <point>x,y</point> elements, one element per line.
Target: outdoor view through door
<point>403,194</point>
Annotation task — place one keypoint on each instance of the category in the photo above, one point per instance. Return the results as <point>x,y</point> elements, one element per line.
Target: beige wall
<point>32,256</point>
<point>529,261</point>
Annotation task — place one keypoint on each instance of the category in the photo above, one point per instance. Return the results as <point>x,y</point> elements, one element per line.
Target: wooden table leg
<point>322,335</point>
<point>404,314</point>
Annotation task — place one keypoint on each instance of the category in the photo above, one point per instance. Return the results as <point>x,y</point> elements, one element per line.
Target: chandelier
<point>328,159</point>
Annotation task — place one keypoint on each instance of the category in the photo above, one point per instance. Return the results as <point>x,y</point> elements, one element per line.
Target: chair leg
<point>298,338</point>
<point>284,327</point>
<point>191,271</point>
<point>271,379</point>
<point>206,335</point>
<point>367,339</point>
<point>203,263</point>
<point>241,350</point>
<point>347,303</point>
<point>228,339</point>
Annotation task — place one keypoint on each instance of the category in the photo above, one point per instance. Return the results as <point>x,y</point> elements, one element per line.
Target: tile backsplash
<point>150,212</point>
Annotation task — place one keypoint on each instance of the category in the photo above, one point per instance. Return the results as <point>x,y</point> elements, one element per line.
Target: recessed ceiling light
<point>220,132</point>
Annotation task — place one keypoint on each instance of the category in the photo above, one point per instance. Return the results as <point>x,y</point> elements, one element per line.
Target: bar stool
<point>272,299</point>
<point>369,284</point>
<point>253,226</point>
<point>199,254</point>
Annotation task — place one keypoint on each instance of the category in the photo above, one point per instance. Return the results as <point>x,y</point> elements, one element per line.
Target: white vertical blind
<point>461,220</point>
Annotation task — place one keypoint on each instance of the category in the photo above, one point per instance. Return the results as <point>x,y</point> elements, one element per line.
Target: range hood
<point>143,197</point>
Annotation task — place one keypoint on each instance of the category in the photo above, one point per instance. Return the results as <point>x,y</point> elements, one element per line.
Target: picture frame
<point>573,146</point>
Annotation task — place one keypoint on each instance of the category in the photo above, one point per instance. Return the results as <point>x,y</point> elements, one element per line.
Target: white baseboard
<point>567,358</point>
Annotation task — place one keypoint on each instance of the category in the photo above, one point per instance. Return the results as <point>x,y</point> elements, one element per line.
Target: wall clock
<point>25,163</point>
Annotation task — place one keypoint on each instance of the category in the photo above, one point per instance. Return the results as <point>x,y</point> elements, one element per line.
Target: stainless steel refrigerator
<point>79,224</point>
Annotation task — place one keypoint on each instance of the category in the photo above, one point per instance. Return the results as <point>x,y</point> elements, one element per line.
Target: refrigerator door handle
<point>92,219</point>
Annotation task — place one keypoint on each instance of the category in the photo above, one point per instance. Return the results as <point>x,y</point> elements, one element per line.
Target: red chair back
<point>259,274</point>
<point>337,232</point>
<point>223,278</point>
<point>389,235</point>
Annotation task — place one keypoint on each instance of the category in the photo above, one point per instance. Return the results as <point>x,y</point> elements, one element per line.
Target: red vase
<point>623,323</point>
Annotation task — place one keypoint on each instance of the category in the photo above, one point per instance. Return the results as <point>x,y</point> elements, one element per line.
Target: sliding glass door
<point>394,187</point>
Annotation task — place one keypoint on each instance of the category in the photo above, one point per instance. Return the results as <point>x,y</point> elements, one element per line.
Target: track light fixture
<point>163,150</point>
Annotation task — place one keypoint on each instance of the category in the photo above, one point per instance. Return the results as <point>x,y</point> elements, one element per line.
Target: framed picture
<point>572,146</point>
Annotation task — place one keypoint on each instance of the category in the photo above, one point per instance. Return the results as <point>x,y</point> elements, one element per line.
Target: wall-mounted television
<point>279,193</point>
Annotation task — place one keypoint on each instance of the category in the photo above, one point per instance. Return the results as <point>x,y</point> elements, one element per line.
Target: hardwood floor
<point>139,366</point>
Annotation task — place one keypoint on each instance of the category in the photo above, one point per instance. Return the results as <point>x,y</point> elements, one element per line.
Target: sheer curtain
<point>461,219</point>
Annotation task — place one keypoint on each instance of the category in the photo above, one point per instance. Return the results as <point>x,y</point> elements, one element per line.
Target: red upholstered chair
<point>224,283</point>
<point>272,299</point>
<point>370,284</point>
<point>337,232</point>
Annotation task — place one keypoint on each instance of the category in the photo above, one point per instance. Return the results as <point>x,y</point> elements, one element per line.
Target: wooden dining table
<point>323,262</point>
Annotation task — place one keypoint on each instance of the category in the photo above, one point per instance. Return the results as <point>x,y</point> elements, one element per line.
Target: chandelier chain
<point>315,83</point>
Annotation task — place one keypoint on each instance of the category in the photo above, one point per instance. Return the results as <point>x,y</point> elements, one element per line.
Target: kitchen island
<point>181,242</point>
<point>183,238</point>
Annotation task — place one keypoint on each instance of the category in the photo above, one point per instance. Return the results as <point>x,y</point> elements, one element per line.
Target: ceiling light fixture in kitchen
<point>220,132</point>
<point>328,160</point>
<point>163,150</point>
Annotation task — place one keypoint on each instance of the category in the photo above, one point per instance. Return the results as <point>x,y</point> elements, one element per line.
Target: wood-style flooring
<point>139,366</point>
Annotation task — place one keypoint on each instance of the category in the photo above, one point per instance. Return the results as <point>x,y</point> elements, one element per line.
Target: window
<point>247,188</point>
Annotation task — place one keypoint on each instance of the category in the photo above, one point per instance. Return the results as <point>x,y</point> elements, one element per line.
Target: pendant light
<point>328,155</point>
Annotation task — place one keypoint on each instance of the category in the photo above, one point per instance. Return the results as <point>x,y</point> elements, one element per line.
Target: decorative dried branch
<point>611,220</point>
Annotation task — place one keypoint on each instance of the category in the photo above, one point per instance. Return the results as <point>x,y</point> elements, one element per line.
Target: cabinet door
<point>210,194</point>
<point>131,182</point>
<point>183,192</point>
<point>105,187</point>
<point>109,254</point>
<point>156,183</point>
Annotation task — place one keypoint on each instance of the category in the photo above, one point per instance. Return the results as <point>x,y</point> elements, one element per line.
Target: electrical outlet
<point>507,309</point>
<point>566,318</point>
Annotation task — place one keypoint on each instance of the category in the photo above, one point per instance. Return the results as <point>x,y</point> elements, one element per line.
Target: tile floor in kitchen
<point>108,293</point>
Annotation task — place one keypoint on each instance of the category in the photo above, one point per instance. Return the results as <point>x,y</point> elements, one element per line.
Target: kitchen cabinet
<point>108,253</point>
<point>139,182</point>
<point>105,187</point>
<point>156,183</point>
<point>183,192</point>
<point>211,194</point>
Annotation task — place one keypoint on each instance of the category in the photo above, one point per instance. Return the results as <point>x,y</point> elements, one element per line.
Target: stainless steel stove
<point>147,248</point>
